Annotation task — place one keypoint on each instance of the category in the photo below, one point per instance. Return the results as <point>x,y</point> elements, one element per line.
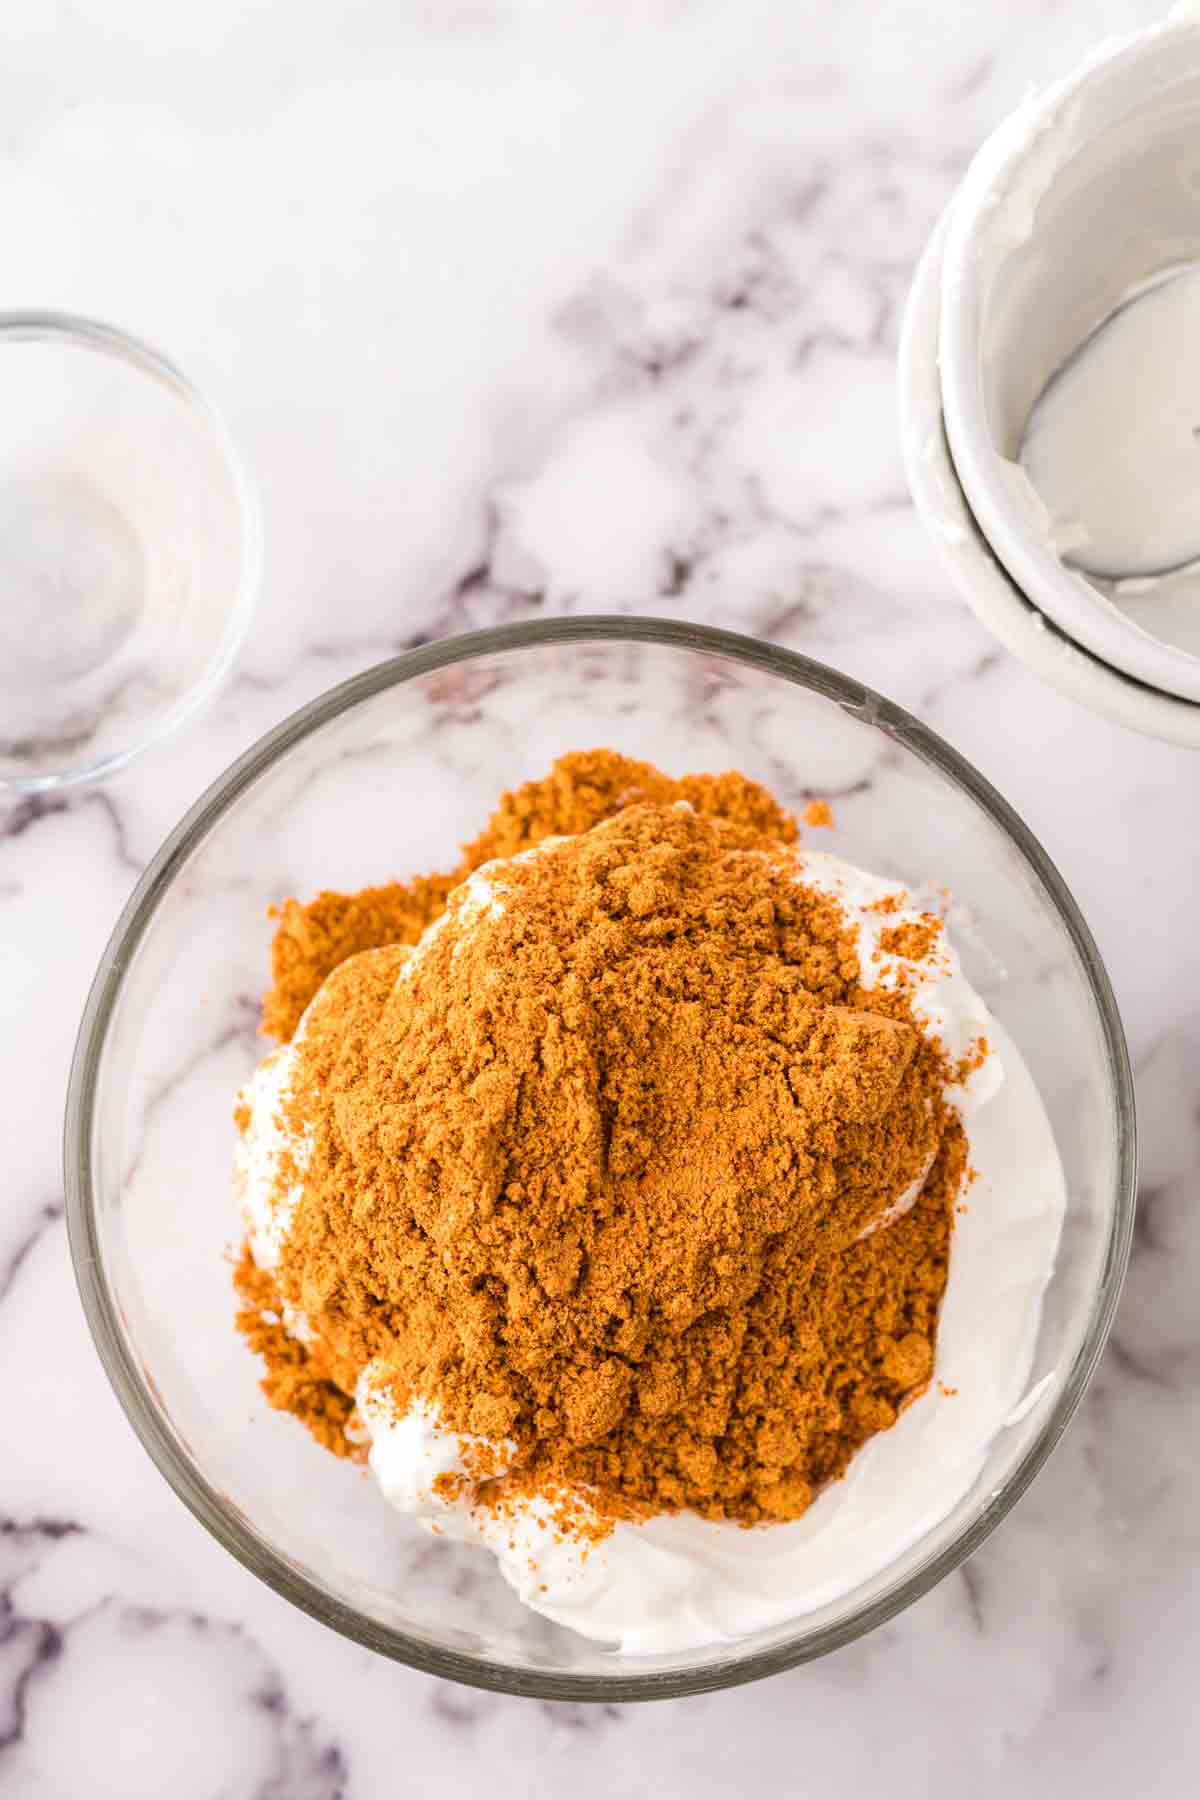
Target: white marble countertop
<point>521,309</point>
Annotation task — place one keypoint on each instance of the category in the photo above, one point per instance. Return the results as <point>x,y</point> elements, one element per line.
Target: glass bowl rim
<point>102,1312</point>
<point>96,336</point>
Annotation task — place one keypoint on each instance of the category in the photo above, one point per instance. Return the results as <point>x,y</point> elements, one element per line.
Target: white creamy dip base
<point>1112,445</point>
<point>678,1581</point>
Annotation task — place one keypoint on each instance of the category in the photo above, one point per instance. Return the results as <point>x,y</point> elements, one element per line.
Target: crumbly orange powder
<point>593,1173</point>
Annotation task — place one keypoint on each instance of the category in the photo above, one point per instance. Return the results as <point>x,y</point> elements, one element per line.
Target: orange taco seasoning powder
<point>598,1172</point>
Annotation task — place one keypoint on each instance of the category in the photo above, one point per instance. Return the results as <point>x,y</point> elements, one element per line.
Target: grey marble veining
<point>518,311</point>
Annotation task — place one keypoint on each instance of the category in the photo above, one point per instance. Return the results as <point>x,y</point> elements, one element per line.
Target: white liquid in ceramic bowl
<point>1084,196</point>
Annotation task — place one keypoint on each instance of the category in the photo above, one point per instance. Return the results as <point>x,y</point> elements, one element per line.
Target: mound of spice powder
<point>608,1168</point>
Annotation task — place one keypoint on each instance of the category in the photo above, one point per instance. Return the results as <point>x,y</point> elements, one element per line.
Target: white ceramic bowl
<point>1083,193</point>
<point>982,580</point>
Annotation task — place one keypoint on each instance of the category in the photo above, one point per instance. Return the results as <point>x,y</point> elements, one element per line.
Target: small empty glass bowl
<point>129,549</point>
<point>387,775</point>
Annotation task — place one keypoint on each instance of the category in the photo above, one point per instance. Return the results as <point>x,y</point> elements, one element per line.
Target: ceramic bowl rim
<point>992,181</point>
<point>963,550</point>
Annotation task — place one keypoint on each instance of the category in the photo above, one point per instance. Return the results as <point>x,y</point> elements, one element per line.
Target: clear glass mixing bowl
<point>385,776</point>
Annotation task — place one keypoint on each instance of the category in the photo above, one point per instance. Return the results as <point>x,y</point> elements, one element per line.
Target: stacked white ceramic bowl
<point>1087,192</point>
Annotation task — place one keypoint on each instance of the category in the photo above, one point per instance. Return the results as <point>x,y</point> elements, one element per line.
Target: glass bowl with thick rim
<point>385,776</point>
